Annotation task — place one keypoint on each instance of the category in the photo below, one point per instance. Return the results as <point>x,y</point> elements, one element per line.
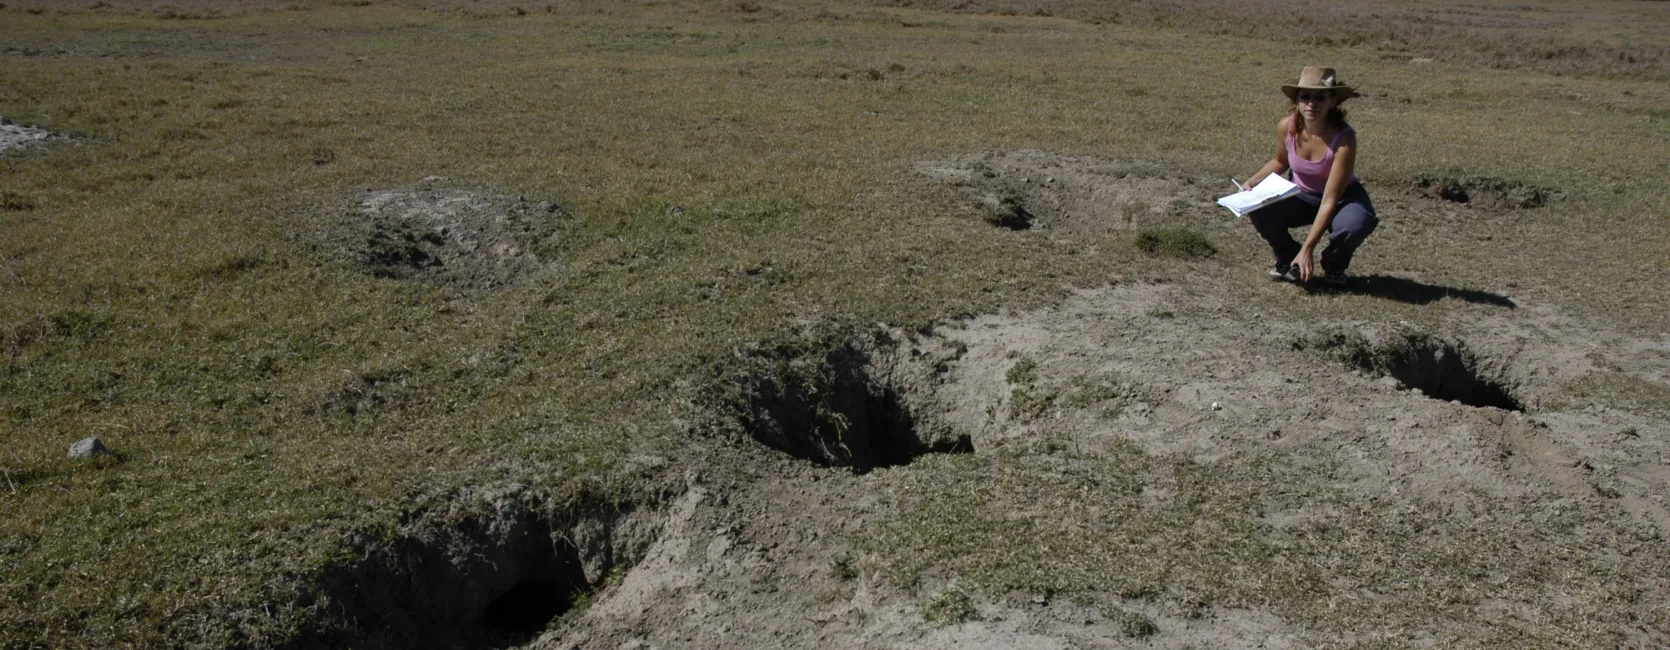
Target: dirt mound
<point>16,137</point>
<point>1022,190</point>
<point>464,240</point>
<point>1485,192</point>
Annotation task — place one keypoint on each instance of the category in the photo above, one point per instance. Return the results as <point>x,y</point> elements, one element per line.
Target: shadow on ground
<point>1413,292</point>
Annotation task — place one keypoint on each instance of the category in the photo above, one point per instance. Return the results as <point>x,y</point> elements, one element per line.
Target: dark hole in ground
<point>528,607</point>
<point>493,581</point>
<point>840,412</point>
<point>1439,369</point>
<point>1010,213</point>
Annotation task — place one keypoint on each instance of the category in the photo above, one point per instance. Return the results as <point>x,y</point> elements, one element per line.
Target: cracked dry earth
<point>769,556</point>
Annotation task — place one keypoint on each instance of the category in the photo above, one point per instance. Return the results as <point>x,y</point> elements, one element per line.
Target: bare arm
<point>1339,178</point>
<point>1278,163</point>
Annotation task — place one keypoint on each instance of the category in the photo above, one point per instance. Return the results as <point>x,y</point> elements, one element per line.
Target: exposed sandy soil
<point>464,240</point>
<point>759,562</point>
<point>19,137</point>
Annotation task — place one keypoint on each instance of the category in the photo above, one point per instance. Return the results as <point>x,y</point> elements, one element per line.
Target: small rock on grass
<point>88,448</point>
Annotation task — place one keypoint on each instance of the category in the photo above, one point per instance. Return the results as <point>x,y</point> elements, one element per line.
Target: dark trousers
<point>1353,221</point>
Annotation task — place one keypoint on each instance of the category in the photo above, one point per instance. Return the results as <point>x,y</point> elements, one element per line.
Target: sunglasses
<point>1313,97</point>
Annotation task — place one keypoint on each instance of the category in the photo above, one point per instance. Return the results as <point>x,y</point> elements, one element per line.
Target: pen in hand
<point>1237,184</point>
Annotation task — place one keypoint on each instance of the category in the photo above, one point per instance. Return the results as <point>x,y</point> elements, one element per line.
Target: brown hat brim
<point>1342,92</point>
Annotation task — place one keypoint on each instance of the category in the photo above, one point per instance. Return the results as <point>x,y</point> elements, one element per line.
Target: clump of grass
<point>1084,391</point>
<point>581,601</point>
<point>844,568</point>
<point>949,607</point>
<point>1027,400</point>
<point>1181,243</point>
<point>1130,624</point>
<point>14,202</point>
<point>1023,372</point>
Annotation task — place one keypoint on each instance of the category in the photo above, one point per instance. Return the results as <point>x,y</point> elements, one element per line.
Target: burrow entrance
<point>1031,189</point>
<point>489,580</point>
<point>859,404</point>
<point>1485,192</point>
<point>1439,368</point>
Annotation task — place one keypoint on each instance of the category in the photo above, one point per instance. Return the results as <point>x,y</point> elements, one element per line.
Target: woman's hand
<point>1304,264</point>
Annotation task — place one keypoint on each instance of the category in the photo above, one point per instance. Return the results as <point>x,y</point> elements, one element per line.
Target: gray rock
<point>88,448</point>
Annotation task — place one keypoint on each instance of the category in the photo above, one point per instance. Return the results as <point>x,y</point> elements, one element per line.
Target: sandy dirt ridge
<point>766,562</point>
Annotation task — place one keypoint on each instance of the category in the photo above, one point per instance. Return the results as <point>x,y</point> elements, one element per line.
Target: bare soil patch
<point>464,240</point>
<point>15,138</point>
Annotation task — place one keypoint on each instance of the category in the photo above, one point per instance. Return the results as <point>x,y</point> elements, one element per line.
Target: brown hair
<point>1336,118</point>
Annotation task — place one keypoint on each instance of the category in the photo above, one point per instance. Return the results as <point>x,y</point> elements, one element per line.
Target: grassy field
<point>725,170</point>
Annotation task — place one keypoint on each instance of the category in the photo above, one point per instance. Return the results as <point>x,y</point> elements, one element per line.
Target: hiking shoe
<point>1335,279</point>
<point>1283,274</point>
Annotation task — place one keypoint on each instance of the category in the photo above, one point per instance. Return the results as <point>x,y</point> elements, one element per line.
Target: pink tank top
<point>1310,176</point>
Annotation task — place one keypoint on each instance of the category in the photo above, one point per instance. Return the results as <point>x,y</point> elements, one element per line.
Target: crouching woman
<point>1316,143</point>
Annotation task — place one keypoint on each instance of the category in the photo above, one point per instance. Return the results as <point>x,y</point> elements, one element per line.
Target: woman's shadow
<point>1413,292</point>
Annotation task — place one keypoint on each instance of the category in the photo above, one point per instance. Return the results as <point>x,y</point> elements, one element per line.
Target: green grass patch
<point>11,201</point>
<point>1181,243</point>
<point>949,607</point>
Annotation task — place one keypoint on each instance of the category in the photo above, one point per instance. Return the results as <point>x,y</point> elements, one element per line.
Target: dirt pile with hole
<point>1485,192</point>
<point>494,567</point>
<point>823,434</point>
<point>863,403</point>
<point>464,240</point>
<point>1027,189</point>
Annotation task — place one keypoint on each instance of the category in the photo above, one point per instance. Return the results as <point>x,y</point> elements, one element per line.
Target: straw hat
<point>1320,78</point>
